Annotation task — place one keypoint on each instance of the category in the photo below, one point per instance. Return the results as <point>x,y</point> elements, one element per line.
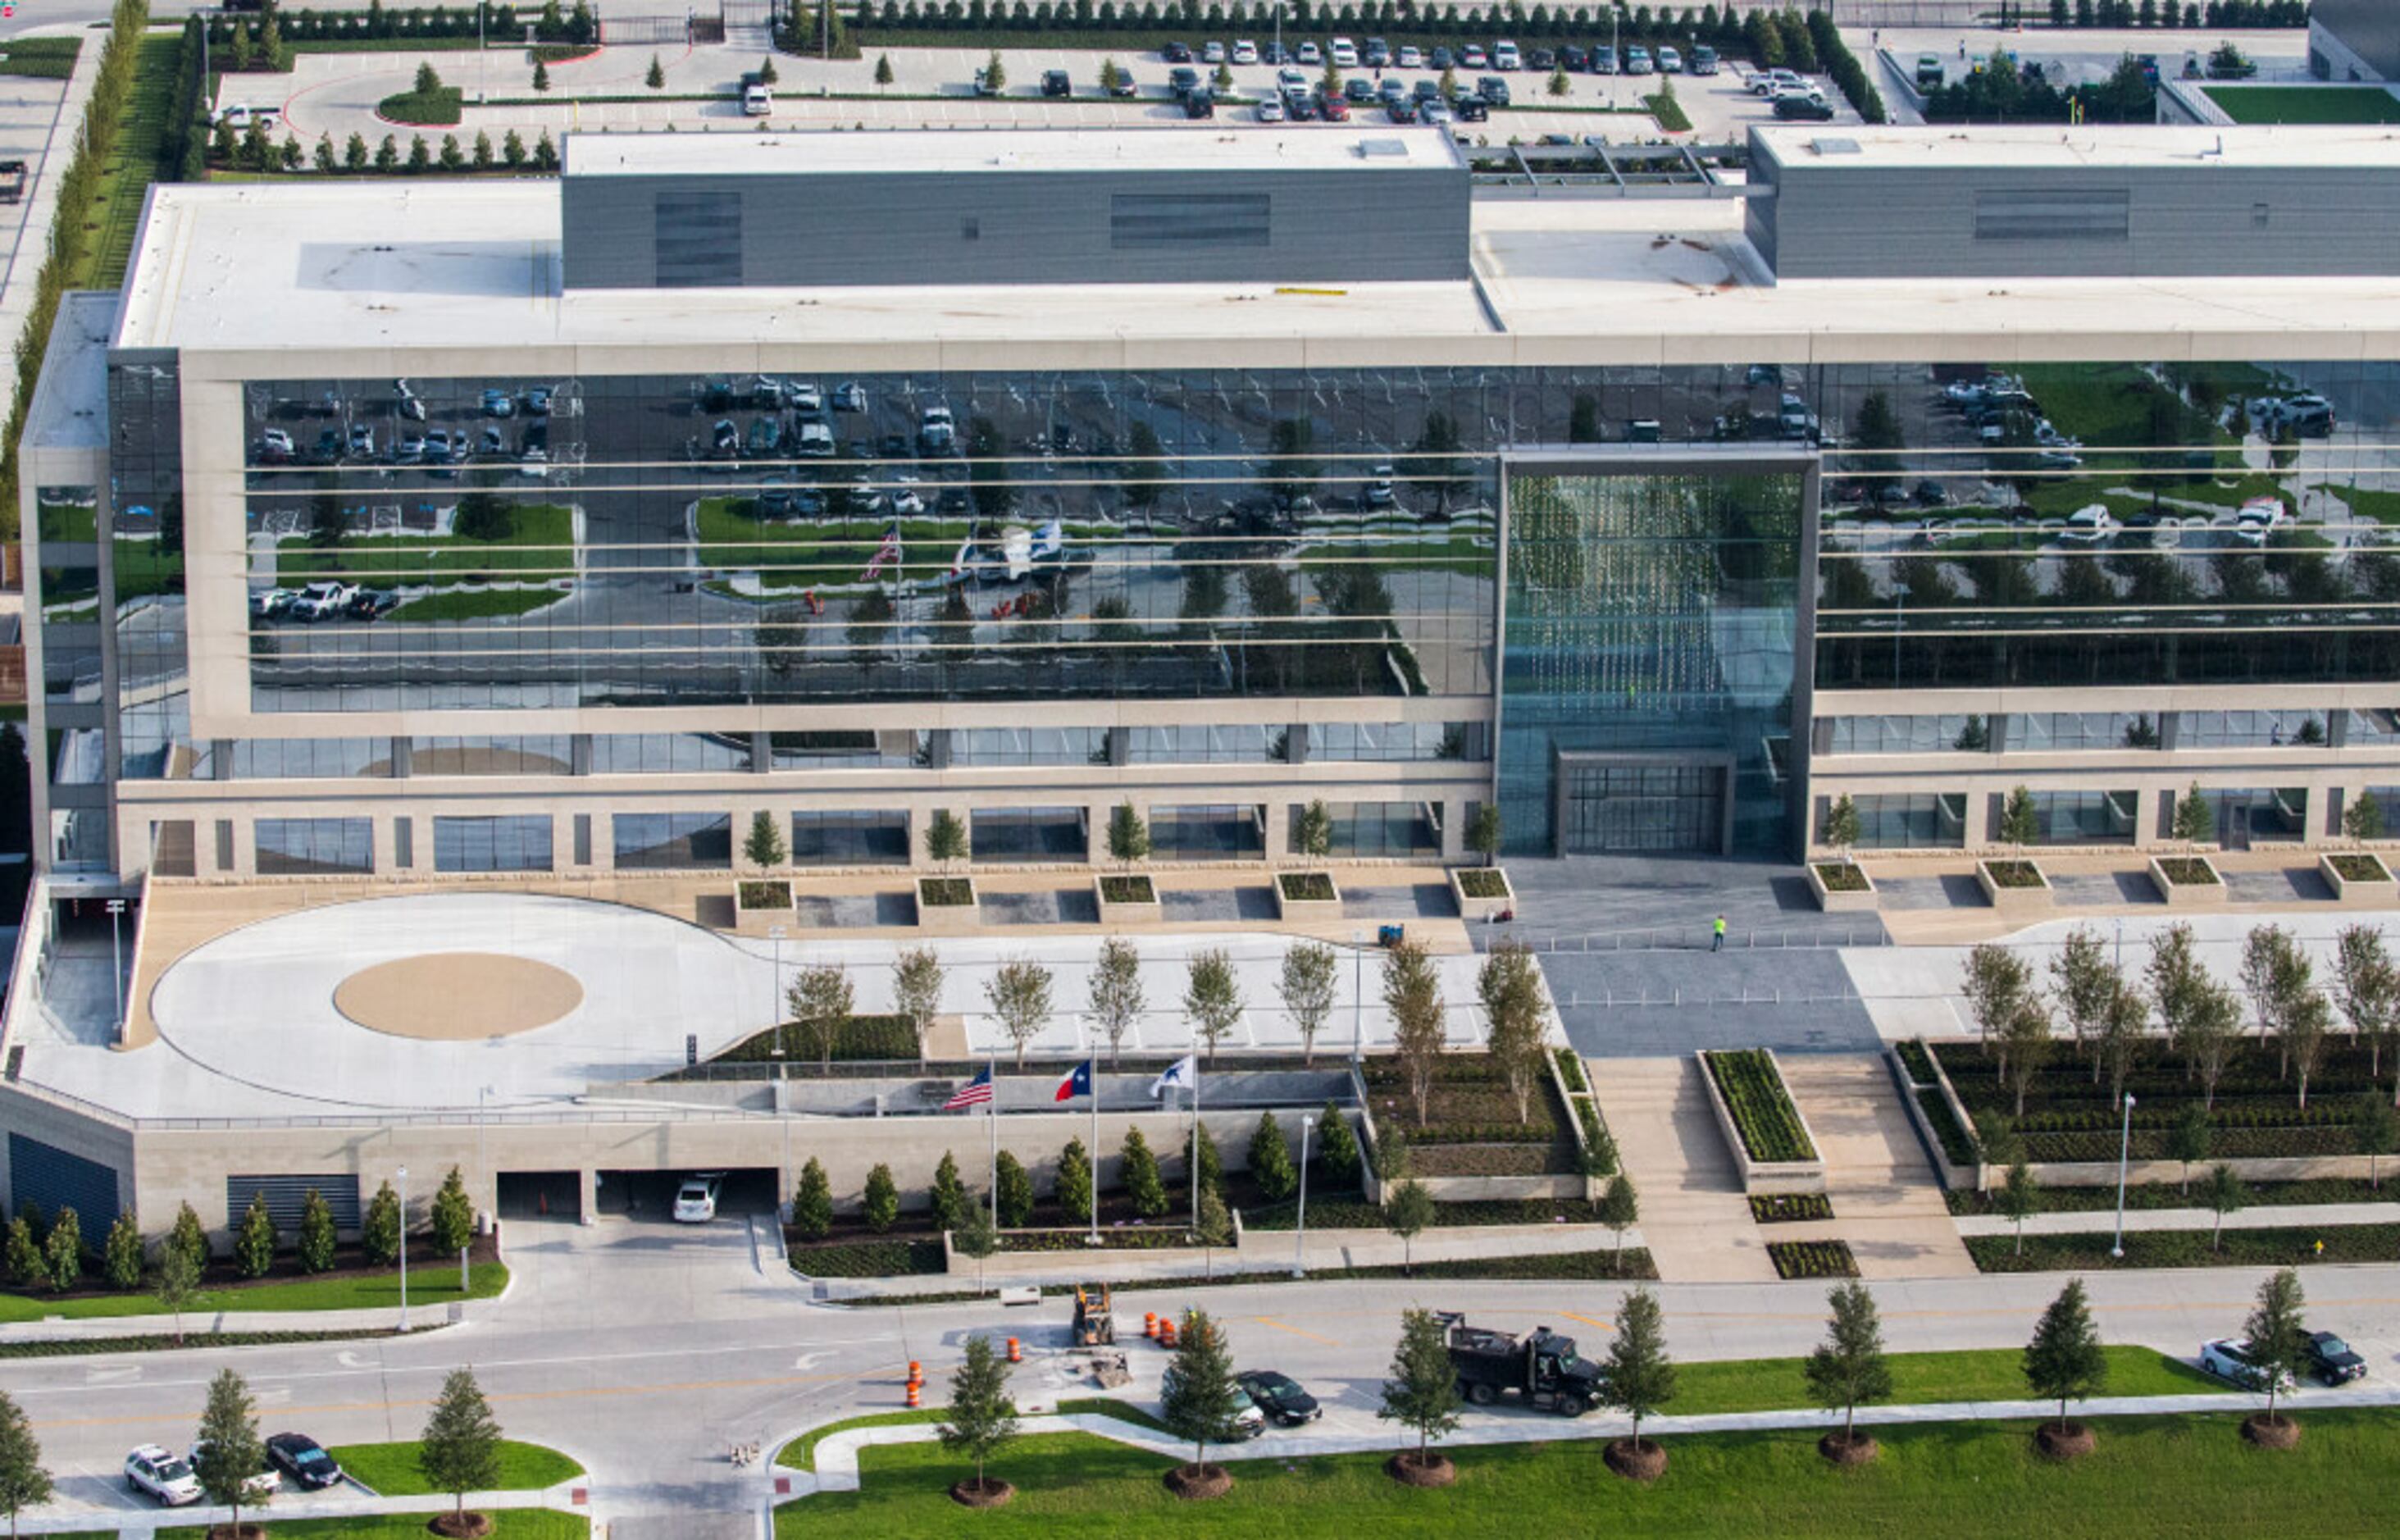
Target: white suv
<point>167,1478</point>
<point>1504,55</point>
<point>1345,54</point>
<point>696,1199</point>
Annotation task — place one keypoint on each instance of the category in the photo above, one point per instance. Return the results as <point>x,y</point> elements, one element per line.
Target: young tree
<point>354,154</point>
<point>227,1453</point>
<point>24,1483</point>
<point>1018,993</point>
<point>1074,1182</point>
<point>982,1418</point>
<point>2019,1198</point>
<point>1847,1367</point>
<point>1117,999</point>
<point>1337,1147</point>
<point>454,1217</point>
<point>952,1202</point>
<point>1518,1012</point>
<point>1560,85</point>
<point>946,839</point>
<point>1111,76</point>
<point>1199,1399</point>
<point>512,150</point>
<point>2277,1334</point>
<point>2124,1029</point>
<point>764,848</point>
<point>2226,1195</point>
<point>1312,832</point>
<point>317,1235</point>
<point>1407,1213</point>
<point>2362,817</point>
<point>2264,967</point>
<point>1128,836</point>
<point>2189,1138</point>
<point>253,1244</point>
<point>1841,826</point>
<point>176,1284</point>
<point>657,78</point>
<point>2211,1026</point>
<point>995,73</point>
<point>2024,1041</point>
<point>1212,998</point>
<point>450,156</point>
<point>2064,1361</point>
<point>2082,981</point>
<point>1877,428</point>
<point>1306,986</point>
<point>27,1267</point>
<point>1422,1394</point>
<point>1015,1194</point>
<point>428,83</point>
<point>459,1450</point>
<point>1271,1163</point>
<point>883,76</point>
<point>1413,993</point>
<point>2368,988</point>
<point>1200,1150</point>
<point>63,1251</point>
<point>1639,1377</point>
<point>1620,1208</point>
<point>1484,834</point>
<point>121,1255</point>
<point>973,1236</point>
<point>380,1228</point>
<point>2307,1022</point>
<point>2020,819</point>
<point>813,1201</point>
<point>882,1199</point>
<point>545,152</point>
<point>821,999</point>
<point>420,155</point>
<point>2193,822</point>
<point>1996,984</point>
<point>480,156</point>
<point>324,159</point>
<point>917,990</point>
<point>1214,1227</point>
<point>1138,1171</point>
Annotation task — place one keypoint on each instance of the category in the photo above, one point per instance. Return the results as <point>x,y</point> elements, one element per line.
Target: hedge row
<point>2120,14</point>
<point>861,1037</point>
<point>1849,76</point>
<point>868,1259</point>
<point>1633,1264</point>
<point>2281,1248</point>
<point>1728,28</point>
<point>2173,1194</point>
<point>1355,1214</point>
<point>68,1347</point>
<point>500,24</point>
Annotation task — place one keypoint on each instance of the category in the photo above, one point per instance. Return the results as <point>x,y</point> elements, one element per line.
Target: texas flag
<point>1078,1082</point>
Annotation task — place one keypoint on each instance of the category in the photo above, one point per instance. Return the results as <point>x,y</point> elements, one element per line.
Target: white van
<point>756,101</point>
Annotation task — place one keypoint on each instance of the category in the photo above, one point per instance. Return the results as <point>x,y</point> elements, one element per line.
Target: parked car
<point>1056,83</point>
<point>1604,60</point>
<point>1493,91</point>
<point>1182,81</point>
<point>1575,60</point>
<point>1345,54</point>
<point>360,441</point>
<point>1360,91</point>
<point>695,1201</point>
<point>1437,111</point>
<point>1637,60</point>
<point>2229,1358</point>
<point>257,1489</point>
<point>1248,1422</point>
<point>1412,57</point>
<point>166,1477</point>
<point>1470,108</point>
<point>1246,52</point>
<point>1541,61</point>
<point>1506,57</point>
<point>1310,54</point>
<point>1704,61</point>
<point>850,396</point>
<point>1278,1397</point>
<point>1930,75</point>
<point>321,601</point>
<point>1175,53</point>
<point>936,429</point>
<point>1212,53</point>
<point>1332,107</point>
<point>1270,108</point>
<point>1274,53</point>
<point>1375,54</point>
<point>1442,59</point>
<point>1124,83</point>
<point>1401,109</point>
<point>2333,1361</point>
<point>304,1460</point>
<point>1472,57</point>
<point>273,443</point>
<point>2258,518</point>
<point>499,403</point>
<point>2090,525</point>
<point>1200,104</point>
<point>1793,105</point>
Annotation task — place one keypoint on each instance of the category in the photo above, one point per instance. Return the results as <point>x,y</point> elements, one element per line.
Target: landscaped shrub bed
<point>1356,1214</point>
<point>69,1347</point>
<point>764,895</point>
<point>1483,883</point>
<point>2188,871</point>
<point>945,892</point>
<point>220,1273</point>
<point>875,1259</point>
<point>1158,1237</point>
<point>1596,1135</point>
<point>2168,1194</point>
<point>1812,1259</point>
<point>438,108</point>
<point>1128,889</point>
<point>2013,874</point>
<point>1842,877</point>
<point>1470,1104</point>
<point>2354,867</point>
<point>1789,1207</point>
<point>1483,1159</point>
<point>856,1038</point>
<point>1633,1264</point>
<point>1571,1070</point>
<point>1762,1112</point>
<point>1957,1147</point>
<point>2283,1247</point>
<point>1918,1062</point>
<point>1306,887</point>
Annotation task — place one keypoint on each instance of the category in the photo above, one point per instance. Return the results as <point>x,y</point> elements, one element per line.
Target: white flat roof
<point>2053,146</point>
<point>1216,149</point>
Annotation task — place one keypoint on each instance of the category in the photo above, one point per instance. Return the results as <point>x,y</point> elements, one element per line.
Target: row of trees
<point>551,23</point>
<point>2119,14</point>
<point>1726,27</point>
<point>253,151</point>
<point>2192,820</point>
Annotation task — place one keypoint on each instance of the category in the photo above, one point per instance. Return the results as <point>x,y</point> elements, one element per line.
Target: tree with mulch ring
<point>2064,1362</point>
<point>1640,1381</point>
<point>1423,1395</point>
<point>1847,1368</point>
<point>2276,1341</point>
<point>1201,1401</point>
<point>982,1422</point>
<point>459,1453</point>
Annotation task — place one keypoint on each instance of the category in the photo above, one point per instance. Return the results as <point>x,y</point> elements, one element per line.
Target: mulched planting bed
<point>1471,1127</point>
<point>1918,1063</point>
<point>764,895</point>
<point>1633,1264</point>
<point>945,892</point>
<point>1128,889</point>
<point>990,1492</point>
<point>1307,887</point>
<point>1812,1259</point>
<point>2276,1432</point>
<point>1789,1207</point>
<point>1841,876</point>
<point>1436,1470</point>
<point>2068,1441</point>
<point>1483,883</point>
<point>2167,1194</point>
<point>2272,1248</point>
<point>164,1342</point>
<point>1859,1448</point>
<point>1571,1070</point>
<point>874,1038</point>
<point>1762,1111</point>
<point>2360,868</point>
<point>1958,1146</point>
<point>2013,874</point>
<point>2186,871</point>
<point>1646,1464</point>
<point>1357,1214</point>
<point>871,1258</point>
<point>1198,1483</point>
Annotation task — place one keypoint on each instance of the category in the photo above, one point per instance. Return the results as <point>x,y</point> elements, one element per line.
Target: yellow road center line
<point>1269,1320</point>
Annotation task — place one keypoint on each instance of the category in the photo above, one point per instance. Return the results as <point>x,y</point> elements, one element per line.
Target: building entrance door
<point>1633,806</point>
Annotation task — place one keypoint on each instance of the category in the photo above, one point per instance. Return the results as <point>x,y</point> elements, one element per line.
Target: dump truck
<point>1095,1326</point>
<point>1541,1366</point>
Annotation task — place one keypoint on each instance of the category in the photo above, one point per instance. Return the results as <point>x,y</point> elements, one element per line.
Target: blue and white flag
<point>1181,1075</point>
<point>1049,539</point>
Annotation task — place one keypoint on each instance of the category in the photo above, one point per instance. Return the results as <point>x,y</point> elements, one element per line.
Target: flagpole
<point>1096,1150</point>
<point>992,1109</point>
<point>1194,1162</point>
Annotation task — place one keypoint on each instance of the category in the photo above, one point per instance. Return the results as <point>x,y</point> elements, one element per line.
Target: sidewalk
<point>287,1505</point>
<point>2298,1216</point>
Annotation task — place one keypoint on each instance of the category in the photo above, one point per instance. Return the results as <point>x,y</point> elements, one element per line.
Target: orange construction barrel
<point>1016,1353</point>
<point>916,1396</point>
<point>916,1373</point>
<point>1150,1324</point>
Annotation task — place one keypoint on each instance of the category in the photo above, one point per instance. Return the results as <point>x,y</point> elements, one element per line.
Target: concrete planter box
<point>2367,892</point>
<point>1845,901</point>
<point>2014,901</point>
<point>758,920</point>
<point>2188,895</point>
<point>1128,911</point>
<point>1480,909</point>
<point>1288,908</point>
<point>1767,1176</point>
<point>948,918</point>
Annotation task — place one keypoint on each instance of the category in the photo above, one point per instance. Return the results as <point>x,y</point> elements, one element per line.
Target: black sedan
<point>1280,1398</point>
<point>304,1460</point>
<point>2331,1360</point>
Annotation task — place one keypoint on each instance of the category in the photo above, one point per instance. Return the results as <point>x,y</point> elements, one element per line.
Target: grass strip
<point>801,1453</point>
<point>2276,1247</point>
<point>76,1347</point>
<point>428,1285</point>
<point>506,1524</point>
<point>392,1470</point>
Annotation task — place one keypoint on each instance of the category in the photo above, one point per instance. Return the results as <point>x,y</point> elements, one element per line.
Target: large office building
<point>425,529</point>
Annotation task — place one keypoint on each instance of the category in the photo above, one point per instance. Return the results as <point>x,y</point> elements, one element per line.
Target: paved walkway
<point>37,126</point>
<point>2297,1215</point>
<point>289,1505</point>
<point>1888,1204</point>
<point>1694,1212</point>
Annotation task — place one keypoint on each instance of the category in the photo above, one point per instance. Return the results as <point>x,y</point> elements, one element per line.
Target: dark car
<point>1542,59</point>
<point>1359,90</point>
<point>1200,104</point>
<point>1470,109</point>
<point>1182,81</point>
<point>1809,107</point>
<point>1402,109</point>
<point>1054,83</point>
<point>1493,91</point>
<point>2330,1359</point>
<point>1933,493</point>
<point>1575,59</point>
<point>1280,1398</point>
<point>1176,53</point>
<point>1426,90</point>
<point>1124,84</point>
<point>303,1459</point>
<point>1440,58</point>
<point>1376,55</point>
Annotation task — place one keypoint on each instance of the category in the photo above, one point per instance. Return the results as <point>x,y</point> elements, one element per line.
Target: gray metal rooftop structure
<point>2354,40</point>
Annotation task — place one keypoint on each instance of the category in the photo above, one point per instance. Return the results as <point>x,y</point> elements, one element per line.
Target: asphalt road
<point>645,1350</point>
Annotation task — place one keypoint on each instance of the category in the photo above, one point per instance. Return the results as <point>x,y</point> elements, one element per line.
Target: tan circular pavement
<point>452,996</point>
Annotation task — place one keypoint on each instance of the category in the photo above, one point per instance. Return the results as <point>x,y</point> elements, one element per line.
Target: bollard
<point>1150,1324</point>
<point>916,1396</point>
<point>916,1373</point>
<point>1016,1353</point>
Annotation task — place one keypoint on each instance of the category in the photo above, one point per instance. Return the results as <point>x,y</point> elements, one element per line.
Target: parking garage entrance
<point>538,1195</point>
<point>650,1195</point>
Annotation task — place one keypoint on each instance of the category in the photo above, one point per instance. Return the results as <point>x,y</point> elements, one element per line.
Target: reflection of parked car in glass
<point>499,403</point>
<point>2258,518</point>
<point>321,601</point>
<point>2089,526</point>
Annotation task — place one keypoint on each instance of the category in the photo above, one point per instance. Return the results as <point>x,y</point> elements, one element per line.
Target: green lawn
<point>476,604</point>
<point>1983,1374</point>
<point>132,166</point>
<point>540,543</point>
<point>2307,103</point>
<point>391,1468</point>
<point>41,58</point>
<point>435,1284</point>
<point>2179,1476</point>
<point>801,1453</point>
<point>506,1524</point>
<point>2367,502</point>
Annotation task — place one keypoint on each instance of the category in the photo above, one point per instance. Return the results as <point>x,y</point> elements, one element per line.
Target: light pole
<point>1300,1233</point>
<point>117,957</point>
<point>774,1003</point>
<point>2124,1149</point>
<point>1357,997</point>
<point>403,1174</point>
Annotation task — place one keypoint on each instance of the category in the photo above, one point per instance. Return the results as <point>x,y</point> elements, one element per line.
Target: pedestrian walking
<point>1718,944</point>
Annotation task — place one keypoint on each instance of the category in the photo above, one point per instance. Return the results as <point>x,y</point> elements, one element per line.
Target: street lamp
<point>2124,1149</point>
<point>1357,996</point>
<point>403,1174</point>
<point>117,957</point>
<point>1300,1233</point>
<point>774,1003</point>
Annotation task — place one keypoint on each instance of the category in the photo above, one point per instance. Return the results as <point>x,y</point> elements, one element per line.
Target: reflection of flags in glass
<point>959,562</point>
<point>1049,539</point>
<point>889,552</point>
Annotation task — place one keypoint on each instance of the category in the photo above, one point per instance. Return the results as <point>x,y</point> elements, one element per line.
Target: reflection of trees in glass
<point>1143,466</point>
<point>781,635</point>
<point>1357,595</point>
<point>2154,579</point>
<point>1267,592</point>
<point>2378,573</point>
<point>2082,584</point>
<point>1583,421</point>
<point>1204,581</point>
<point>1975,737</point>
<point>1877,426</point>
<point>2003,578</point>
<point>2240,578</point>
<point>1292,469</point>
<point>995,497</point>
<point>1844,584</point>
<point>1436,466</point>
<point>870,623</point>
<point>1927,581</point>
<point>953,634</point>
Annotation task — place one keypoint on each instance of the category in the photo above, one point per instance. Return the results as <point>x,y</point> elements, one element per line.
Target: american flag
<point>888,551</point>
<point>975,1093</point>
